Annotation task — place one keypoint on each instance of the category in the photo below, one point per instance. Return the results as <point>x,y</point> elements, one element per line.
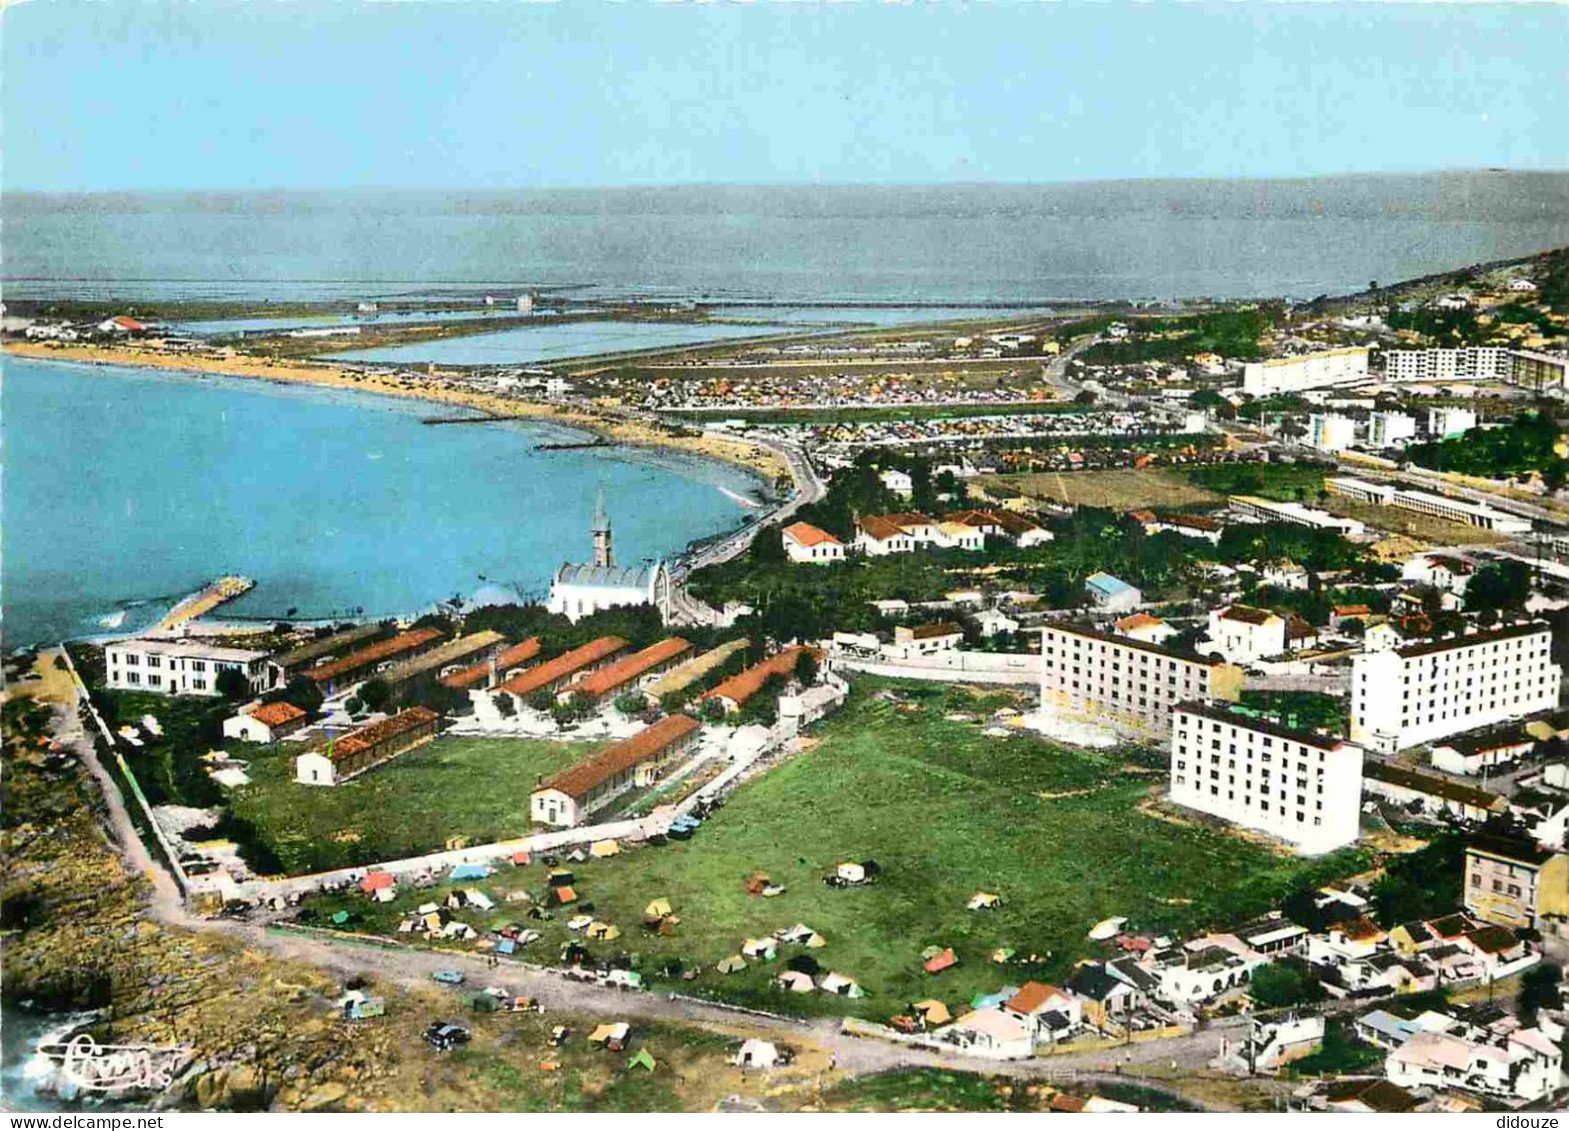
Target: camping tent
<point>477,898</point>
<point>935,1012</point>
<point>376,881</point>
<point>520,859</point>
<point>984,901</point>
<point>757,1054</point>
<point>561,896</point>
<point>839,984</point>
<point>1107,929</point>
<point>940,962</point>
<point>603,931</point>
<point>469,872</point>
<point>604,848</point>
<point>643,1059</point>
<point>612,1036</point>
<point>731,965</point>
<point>796,982</point>
<point>851,873</point>
<point>657,909</point>
<point>759,948</point>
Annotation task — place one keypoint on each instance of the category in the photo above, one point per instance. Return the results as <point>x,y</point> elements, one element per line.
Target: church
<point>580,590</point>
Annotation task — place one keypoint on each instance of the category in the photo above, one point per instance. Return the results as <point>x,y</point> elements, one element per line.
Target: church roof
<point>607,577</point>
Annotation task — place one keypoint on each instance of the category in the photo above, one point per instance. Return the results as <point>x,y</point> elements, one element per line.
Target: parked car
<point>448,977</point>
<point>443,1035</point>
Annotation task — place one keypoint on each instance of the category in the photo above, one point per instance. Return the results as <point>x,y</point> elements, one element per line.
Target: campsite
<point>946,812</point>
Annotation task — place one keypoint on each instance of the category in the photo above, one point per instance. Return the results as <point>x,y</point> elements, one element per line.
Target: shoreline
<point>756,459</point>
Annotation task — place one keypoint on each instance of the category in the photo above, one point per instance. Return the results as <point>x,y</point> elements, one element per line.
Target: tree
<point>504,706</point>
<point>713,711</point>
<point>541,700</point>
<point>1085,397</point>
<point>631,704</point>
<point>1539,989</point>
<point>806,668</point>
<point>232,684</point>
<point>1285,982</point>
<point>302,693</point>
<point>1499,587</point>
<point>375,694</point>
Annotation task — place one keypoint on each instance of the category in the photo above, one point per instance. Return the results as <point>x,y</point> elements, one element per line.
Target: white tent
<point>758,1054</point>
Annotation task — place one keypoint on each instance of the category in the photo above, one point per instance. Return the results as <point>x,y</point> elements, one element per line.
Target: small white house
<point>1111,594</point>
<point>898,482</point>
<point>264,722</point>
<point>804,542</point>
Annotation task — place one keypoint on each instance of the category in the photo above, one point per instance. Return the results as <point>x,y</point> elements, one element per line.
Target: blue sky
<point>596,92</point>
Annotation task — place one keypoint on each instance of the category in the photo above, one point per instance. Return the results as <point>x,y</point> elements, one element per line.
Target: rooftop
<point>808,535</point>
<point>1431,784</point>
<point>550,672</point>
<point>505,659</point>
<point>276,714</point>
<point>1209,710</point>
<point>628,668</point>
<point>368,737</point>
<point>365,657</point>
<point>1088,633</point>
<point>743,685</point>
<point>589,774</point>
<point>1487,636</point>
<point>305,653</point>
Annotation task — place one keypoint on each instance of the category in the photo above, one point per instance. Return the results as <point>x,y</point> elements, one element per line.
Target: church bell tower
<point>602,555</point>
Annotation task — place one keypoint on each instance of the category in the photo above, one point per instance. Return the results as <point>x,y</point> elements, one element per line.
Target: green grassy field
<point>946,811</point>
<point>474,787</point>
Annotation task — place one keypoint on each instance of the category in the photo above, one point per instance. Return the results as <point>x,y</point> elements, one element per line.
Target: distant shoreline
<point>754,459</point>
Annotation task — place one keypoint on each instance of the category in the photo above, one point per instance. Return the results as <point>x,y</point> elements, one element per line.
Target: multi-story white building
<point>1123,681</point>
<point>1402,697</point>
<point>1385,429</point>
<point>1441,506</point>
<point>1443,422</point>
<point>1266,510</point>
<point>1462,511</point>
<point>182,667</point>
<point>1310,371</point>
<point>1331,433</point>
<point>1542,372</point>
<point>1304,788</point>
<point>1473,363</point>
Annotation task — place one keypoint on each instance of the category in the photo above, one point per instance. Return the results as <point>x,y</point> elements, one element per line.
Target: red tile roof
<point>878,527</point>
<point>743,685</point>
<point>506,658</point>
<point>808,535</point>
<point>277,714</point>
<point>643,746</point>
<point>368,737</point>
<point>629,668</point>
<point>563,666</point>
<point>1033,996</point>
<point>365,657</point>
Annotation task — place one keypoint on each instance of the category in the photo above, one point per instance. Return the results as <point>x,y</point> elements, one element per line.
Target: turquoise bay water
<point>549,343</point>
<point>126,489</point>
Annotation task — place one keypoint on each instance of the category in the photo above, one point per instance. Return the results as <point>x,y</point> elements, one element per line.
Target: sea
<point>1022,244</point>
<point>126,489</point>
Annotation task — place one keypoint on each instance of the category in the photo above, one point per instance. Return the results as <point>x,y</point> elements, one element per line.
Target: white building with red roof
<point>804,542</point>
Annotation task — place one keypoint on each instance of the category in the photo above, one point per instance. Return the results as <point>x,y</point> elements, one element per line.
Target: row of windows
<point>1264,802</point>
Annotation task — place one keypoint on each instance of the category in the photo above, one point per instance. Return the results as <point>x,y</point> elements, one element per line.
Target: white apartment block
<point>1543,372</point>
<point>1125,682</point>
<point>1440,506</point>
<point>1310,371</point>
<point>1265,510</point>
<point>1304,788</point>
<point>1473,363</point>
<point>1385,429</point>
<point>181,667</point>
<point>1462,511</point>
<point>1403,697</point>
<point>1330,433</point>
<point>1443,422</point>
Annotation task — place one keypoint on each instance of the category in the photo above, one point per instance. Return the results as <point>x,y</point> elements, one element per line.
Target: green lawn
<point>474,787</point>
<point>946,811</point>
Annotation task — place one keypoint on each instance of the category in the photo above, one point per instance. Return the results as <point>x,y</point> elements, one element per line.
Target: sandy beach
<point>228,363</point>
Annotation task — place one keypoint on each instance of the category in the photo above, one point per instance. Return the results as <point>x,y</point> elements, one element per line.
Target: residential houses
<point>1515,882</point>
<point>361,664</point>
<point>734,692</point>
<point>552,675</point>
<point>1240,634</point>
<point>1429,794</point>
<point>804,542</point>
<point>264,722</point>
<point>627,672</point>
<point>1111,594</point>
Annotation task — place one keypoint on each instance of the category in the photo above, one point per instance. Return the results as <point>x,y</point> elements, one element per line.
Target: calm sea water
<point>126,489</point>
<point>1026,243</point>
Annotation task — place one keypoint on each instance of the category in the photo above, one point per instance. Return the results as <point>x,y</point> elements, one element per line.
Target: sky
<point>348,93</point>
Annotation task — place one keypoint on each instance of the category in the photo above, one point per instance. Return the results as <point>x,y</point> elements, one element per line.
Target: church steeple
<point>602,555</point>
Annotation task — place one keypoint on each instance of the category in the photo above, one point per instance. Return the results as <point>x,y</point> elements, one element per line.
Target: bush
<point>631,705</point>
<point>1285,982</point>
<point>375,694</point>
